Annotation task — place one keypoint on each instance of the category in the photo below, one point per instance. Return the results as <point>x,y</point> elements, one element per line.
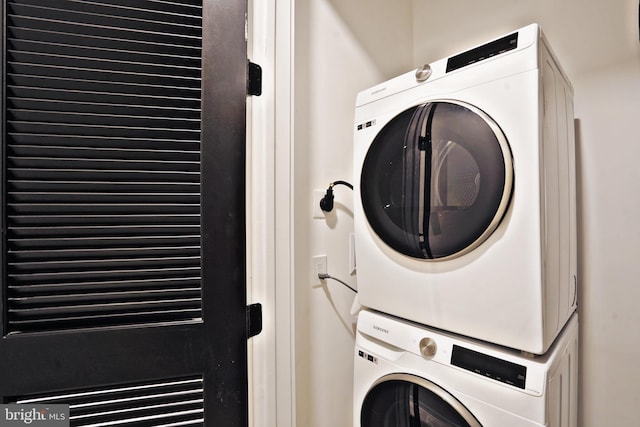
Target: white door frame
<point>270,215</point>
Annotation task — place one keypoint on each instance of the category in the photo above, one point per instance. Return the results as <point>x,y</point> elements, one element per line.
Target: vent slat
<point>106,286</point>
<point>136,86</point>
<point>116,411</point>
<point>102,160</point>
<point>35,309</point>
<point>26,278</point>
<point>114,97</point>
<point>104,242</point>
<point>107,143</point>
<point>111,120</point>
<point>92,321</point>
<point>58,36</point>
<point>108,231</point>
<point>79,209</point>
<point>98,396</point>
<point>183,16</point>
<point>89,175</point>
<point>100,296</point>
<point>137,62</point>
<point>57,163</point>
<point>114,198</point>
<point>116,74</point>
<point>15,20</point>
<point>70,265</point>
<point>105,301</point>
<point>101,130</point>
<point>170,402</point>
<point>95,18</point>
<point>104,220</point>
<point>30,40</point>
<point>124,187</point>
<point>86,106</point>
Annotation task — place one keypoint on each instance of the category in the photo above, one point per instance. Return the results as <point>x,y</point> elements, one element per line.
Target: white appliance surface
<point>481,384</point>
<point>515,284</point>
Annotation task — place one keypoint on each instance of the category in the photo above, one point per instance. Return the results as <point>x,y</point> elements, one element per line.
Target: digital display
<point>489,366</point>
<point>483,52</point>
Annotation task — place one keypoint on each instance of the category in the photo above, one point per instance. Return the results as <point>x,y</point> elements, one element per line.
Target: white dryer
<point>406,375</point>
<point>465,213</point>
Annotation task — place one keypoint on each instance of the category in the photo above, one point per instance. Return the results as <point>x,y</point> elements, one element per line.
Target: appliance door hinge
<point>254,320</point>
<point>254,79</point>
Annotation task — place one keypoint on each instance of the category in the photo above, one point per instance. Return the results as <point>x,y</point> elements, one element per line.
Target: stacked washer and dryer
<point>465,225</point>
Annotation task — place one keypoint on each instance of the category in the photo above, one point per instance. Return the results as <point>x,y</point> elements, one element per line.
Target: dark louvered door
<point>123,210</point>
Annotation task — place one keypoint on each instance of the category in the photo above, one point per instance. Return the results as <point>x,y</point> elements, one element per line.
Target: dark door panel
<point>54,362</point>
<point>123,253</point>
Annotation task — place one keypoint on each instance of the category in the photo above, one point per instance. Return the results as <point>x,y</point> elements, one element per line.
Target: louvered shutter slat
<point>177,402</point>
<point>103,153</point>
<point>103,220</point>
<point>86,107</point>
<point>40,45</point>
<point>115,19</point>
<point>102,163</point>
<point>107,143</point>
<point>95,43</point>
<point>145,285</point>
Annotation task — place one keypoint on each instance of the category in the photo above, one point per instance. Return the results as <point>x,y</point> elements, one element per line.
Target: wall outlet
<point>319,267</point>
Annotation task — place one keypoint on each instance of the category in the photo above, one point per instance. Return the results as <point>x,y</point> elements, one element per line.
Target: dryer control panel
<point>483,52</point>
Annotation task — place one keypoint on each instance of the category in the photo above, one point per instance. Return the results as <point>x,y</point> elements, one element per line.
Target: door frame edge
<point>270,215</point>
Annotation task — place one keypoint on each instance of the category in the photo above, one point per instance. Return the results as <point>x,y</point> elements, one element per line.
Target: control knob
<point>428,347</point>
<point>423,73</point>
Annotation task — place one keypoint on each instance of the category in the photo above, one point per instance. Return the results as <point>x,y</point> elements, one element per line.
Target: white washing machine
<point>407,375</point>
<point>465,213</point>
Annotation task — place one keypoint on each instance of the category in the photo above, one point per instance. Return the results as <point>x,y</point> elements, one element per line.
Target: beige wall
<point>608,108</point>
<point>341,47</point>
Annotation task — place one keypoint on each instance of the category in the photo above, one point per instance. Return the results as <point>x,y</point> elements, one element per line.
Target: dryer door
<point>403,400</point>
<point>437,180</point>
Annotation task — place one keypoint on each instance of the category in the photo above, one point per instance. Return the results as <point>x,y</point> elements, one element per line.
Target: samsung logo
<point>375,92</point>
<point>378,328</point>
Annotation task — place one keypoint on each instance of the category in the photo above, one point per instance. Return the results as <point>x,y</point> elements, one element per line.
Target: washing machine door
<point>402,400</point>
<point>437,180</point>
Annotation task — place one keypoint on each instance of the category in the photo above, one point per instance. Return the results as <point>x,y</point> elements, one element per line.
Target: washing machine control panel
<point>389,338</point>
<point>489,366</point>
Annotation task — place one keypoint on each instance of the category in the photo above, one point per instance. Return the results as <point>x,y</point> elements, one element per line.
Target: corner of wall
<point>339,52</point>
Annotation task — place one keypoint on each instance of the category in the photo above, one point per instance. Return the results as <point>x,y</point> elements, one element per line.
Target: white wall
<point>344,46</point>
<point>608,108</point>
<point>339,50</point>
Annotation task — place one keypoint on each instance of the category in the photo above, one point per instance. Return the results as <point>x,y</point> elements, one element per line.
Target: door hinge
<point>254,320</point>
<point>254,79</point>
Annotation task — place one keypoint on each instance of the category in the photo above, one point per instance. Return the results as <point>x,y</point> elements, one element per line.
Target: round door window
<point>437,180</point>
<point>408,401</point>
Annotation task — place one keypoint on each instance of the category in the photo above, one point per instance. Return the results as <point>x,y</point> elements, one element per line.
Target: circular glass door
<point>437,180</point>
<point>403,400</point>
